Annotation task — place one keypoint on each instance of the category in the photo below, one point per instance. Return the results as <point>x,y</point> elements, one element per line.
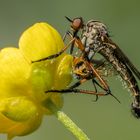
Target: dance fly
<point>96,39</point>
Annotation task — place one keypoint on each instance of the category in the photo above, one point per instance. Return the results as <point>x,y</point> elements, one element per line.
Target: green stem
<point>63,118</point>
<point>71,126</point>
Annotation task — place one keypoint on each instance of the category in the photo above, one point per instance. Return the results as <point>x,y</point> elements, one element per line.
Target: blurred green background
<point>105,119</point>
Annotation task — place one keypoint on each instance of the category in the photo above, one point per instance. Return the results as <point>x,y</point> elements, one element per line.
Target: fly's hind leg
<point>81,91</point>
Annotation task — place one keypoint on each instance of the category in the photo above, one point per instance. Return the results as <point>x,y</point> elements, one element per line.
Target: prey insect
<point>96,39</point>
<point>84,71</point>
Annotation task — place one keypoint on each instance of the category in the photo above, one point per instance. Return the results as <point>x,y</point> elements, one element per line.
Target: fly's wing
<point>104,67</point>
<point>122,57</point>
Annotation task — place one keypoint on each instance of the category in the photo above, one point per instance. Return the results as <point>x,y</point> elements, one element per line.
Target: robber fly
<point>96,39</point>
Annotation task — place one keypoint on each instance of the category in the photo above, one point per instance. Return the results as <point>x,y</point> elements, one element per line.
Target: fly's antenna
<point>68,19</point>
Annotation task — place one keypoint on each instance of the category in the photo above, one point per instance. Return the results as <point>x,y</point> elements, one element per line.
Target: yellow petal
<point>23,100</point>
<point>18,108</point>
<point>42,79</point>
<point>51,75</point>
<point>39,41</point>
<point>63,75</point>
<point>20,115</point>
<point>13,128</point>
<point>62,78</point>
<point>14,71</point>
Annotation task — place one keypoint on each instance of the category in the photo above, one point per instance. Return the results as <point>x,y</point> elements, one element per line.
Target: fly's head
<point>81,68</point>
<point>76,23</point>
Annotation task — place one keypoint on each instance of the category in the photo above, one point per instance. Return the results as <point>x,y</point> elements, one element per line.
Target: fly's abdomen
<point>127,76</point>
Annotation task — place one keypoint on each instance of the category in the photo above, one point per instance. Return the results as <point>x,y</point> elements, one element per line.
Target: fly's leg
<point>72,36</point>
<point>77,84</point>
<point>73,41</point>
<point>84,80</point>
<point>108,92</point>
<point>105,85</point>
<point>81,91</point>
<point>55,55</point>
<point>97,97</point>
<point>74,90</point>
<point>77,42</point>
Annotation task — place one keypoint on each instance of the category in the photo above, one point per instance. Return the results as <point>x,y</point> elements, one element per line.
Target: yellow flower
<point>23,101</point>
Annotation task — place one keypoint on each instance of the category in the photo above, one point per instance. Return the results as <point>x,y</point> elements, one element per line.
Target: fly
<point>96,39</point>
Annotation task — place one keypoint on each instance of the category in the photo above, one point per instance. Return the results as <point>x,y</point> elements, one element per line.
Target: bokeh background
<point>105,119</point>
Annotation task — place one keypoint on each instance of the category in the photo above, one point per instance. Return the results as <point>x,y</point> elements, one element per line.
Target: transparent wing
<point>104,67</point>
<point>122,57</point>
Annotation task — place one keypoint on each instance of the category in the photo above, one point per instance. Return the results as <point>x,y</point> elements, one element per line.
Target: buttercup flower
<point>23,101</point>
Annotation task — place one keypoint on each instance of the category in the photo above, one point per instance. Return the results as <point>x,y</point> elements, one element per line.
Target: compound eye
<point>77,23</point>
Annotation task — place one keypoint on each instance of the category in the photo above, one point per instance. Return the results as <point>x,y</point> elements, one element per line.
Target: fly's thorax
<point>81,68</point>
<point>92,35</point>
<point>96,27</point>
<point>91,42</point>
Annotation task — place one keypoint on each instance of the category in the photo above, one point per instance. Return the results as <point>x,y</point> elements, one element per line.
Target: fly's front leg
<point>68,33</point>
<point>77,42</point>
<point>55,55</point>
